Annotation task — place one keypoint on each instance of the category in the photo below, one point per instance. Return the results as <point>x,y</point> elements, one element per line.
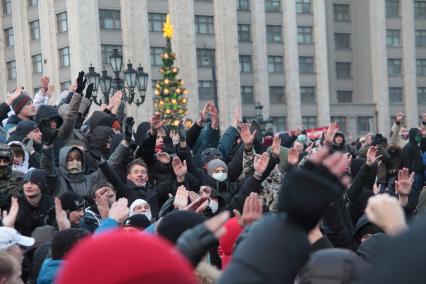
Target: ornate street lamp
<point>264,123</point>
<point>133,79</point>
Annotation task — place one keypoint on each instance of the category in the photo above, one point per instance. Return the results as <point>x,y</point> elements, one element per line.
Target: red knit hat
<point>125,257</point>
<point>227,241</point>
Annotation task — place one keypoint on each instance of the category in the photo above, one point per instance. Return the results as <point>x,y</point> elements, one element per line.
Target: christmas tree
<point>169,91</point>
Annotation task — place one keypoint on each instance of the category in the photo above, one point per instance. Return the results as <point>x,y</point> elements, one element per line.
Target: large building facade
<point>308,62</point>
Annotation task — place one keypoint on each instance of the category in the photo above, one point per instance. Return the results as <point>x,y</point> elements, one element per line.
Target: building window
<point>106,51</point>
<point>32,3</point>
<point>245,63</point>
<point>420,9</point>
<point>37,64</point>
<point>421,95</point>
<point>306,65</point>
<point>309,122</point>
<point>393,37</point>
<point>8,37</point>
<point>62,23</point>
<point>341,120</point>
<point>156,56</point>
<point>303,6</point>
<point>247,95</point>
<point>276,95</point>
<point>65,86</point>
<point>392,8</point>
<point>343,70</point>
<point>35,30</point>
<point>243,5</point>
<point>341,13</point>
<point>364,124</point>
<point>273,33</point>
<point>156,21</point>
<point>204,25</point>
<point>272,5</point>
<point>421,38</point>
<point>205,90</point>
<point>205,56</point>
<point>279,123</point>
<point>342,41</point>
<point>394,67</point>
<point>64,57</point>
<point>307,95</point>
<point>395,95</point>
<point>243,32</point>
<point>275,64</point>
<point>7,7</point>
<point>109,19</point>
<point>304,35</point>
<point>344,97</point>
<point>11,70</point>
<point>421,67</point>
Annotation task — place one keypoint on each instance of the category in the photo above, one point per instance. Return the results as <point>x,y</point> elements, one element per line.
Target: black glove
<point>182,132</point>
<point>195,243</point>
<point>89,91</point>
<point>128,129</point>
<point>48,133</point>
<point>81,83</point>
<point>95,153</point>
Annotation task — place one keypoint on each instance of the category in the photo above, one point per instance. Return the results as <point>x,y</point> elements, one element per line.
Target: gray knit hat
<point>214,164</point>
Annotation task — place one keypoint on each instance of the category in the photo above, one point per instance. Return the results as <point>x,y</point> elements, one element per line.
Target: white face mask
<point>219,176</point>
<point>74,166</point>
<point>214,205</point>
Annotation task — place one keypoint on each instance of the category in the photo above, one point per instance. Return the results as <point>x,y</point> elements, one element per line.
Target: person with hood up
<point>10,182</point>
<point>341,146</point>
<point>20,157</point>
<point>140,206</point>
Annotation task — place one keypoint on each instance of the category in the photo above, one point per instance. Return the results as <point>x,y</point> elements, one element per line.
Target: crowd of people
<point>89,197</point>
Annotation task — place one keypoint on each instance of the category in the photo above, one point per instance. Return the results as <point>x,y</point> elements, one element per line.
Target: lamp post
<point>259,117</point>
<point>209,58</point>
<point>133,79</point>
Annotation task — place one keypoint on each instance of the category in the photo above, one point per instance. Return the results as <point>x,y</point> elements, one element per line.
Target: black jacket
<point>411,154</point>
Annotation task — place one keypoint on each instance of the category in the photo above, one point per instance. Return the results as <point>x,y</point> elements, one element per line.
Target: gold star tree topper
<point>168,28</point>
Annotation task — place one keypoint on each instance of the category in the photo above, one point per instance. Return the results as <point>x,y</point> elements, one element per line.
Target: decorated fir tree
<point>170,93</point>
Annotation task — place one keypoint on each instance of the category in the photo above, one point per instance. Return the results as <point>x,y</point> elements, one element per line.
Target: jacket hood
<point>99,118</point>
<point>341,134</point>
<point>13,119</point>
<point>48,112</point>
<point>101,136</point>
<point>24,167</point>
<point>141,132</point>
<point>332,266</point>
<point>373,247</point>
<point>412,133</point>
<point>364,226</point>
<point>63,154</point>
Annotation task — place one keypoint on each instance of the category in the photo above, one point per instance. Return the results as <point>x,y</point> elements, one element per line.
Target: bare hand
<point>181,198</point>
<point>9,218</point>
<point>252,211</point>
<point>215,117</point>
<point>399,116</point>
<point>237,118</point>
<point>276,146</point>
<point>163,157</point>
<point>44,83</point>
<point>261,162</point>
<point>246,136</point>
<point>156,121</point>
<point>293,157</point>
<point>405,182</point>
<point>372,155</point>
<point>61,216</point>
<point>215,224</point>
<point>199,205</point>
<point>331,132</point>
<point>205,111</point>
<point>180,169</point>
<point>102,202</point>
<point>119,210</point>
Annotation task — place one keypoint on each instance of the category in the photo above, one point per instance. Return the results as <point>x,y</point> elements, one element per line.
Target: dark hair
<point>7,265</point>
<point>136,162</point>
<point>99,185</point>
<point>65,240</point>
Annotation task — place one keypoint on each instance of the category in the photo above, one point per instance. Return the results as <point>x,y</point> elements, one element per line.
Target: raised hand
<point>102,202</point>
<point>11,97</point>
<point>261,162</point>
<point>331,132</point>
<point>119,210</point>
<point>89,91</point>
<point>237,118</point>
<point>9,218</point>
<point>156,121</point>
<point>399,117</point>
<point>252,210</point>
<point>246,136</point>
<point>180,169</point>
<point>276,146</point>
<point>205,112</point>
<point>61,216</point>
<point>128,129</point>
<point>181,198</point>
<point>215,117</point>
<point>293,157</point>
<point>405,182</point>
<point>198,205</point>
<point>163,157</point>
<point>81,83</point>
<point>181,132</point>
<point>44,84</point>
<point>372,156</point>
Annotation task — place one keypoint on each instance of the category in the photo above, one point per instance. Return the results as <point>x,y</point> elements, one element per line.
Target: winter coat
<point>226,143</point>
<point>208,138</point>
<point>396,139</point>
<point>10,186</point>
<point>91,220</point>
<point>49,270</point>
<point>10,126</point>
<point>29,216</point>
<point>411,154</point>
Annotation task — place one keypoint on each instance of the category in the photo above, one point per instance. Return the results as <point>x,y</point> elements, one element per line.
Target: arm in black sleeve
<point>359,182</point>
<point>146,150</point>
<point>120,187</point>
<point>235,167</point>
<point>4,109</point>
<point>192,134</point>
<point>273,161</point>
<point>251,184</point>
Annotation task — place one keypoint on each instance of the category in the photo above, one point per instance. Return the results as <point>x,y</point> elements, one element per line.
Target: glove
<point>195,243</point>
<point>182,132</point>
<point>128,129</point>
<point>48,133</point>
<point>28,145</point>
<point>95,153</point>
<point>81,83</point>
<point>89,91</point>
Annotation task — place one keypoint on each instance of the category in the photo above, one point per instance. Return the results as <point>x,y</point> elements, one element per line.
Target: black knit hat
<point>19,103</point>
<point>71,201</point>
<point>38,177</point>
<point>174,224</point>
<point>138,221</point>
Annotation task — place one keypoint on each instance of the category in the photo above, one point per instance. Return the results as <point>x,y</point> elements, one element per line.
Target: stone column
<point>409,63</point>
<point>22,46</point>
<point>49,46</point>
<point>227,60</point>
<point>84,35</point>
<point>291,64</point>
<point>321,62</point>
<point>183,44</point>
<point>134,21</point>
<point>379,68</point>
<point>3,70</point>
<point>260,65</point>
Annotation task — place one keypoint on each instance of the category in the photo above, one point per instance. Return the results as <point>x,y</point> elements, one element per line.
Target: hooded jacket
<point>10,183</point>
<point>24,167</point>
<point>344,148</point>
<point>411,154</point>
<point>49,271</point>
